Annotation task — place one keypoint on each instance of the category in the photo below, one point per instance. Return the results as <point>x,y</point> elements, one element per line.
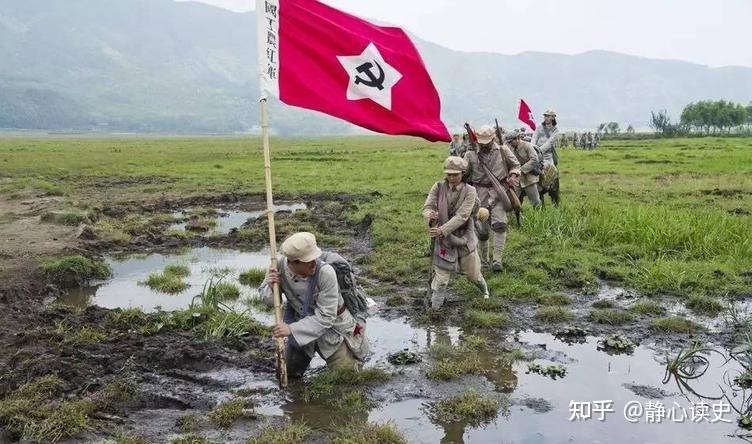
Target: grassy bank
<point>661,216</point>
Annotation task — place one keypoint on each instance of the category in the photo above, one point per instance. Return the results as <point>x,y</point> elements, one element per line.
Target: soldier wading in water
<point>321,316</point>
<point>450,210</point>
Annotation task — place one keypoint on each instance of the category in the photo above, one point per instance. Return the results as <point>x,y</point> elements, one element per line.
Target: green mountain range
<point>159,66</point>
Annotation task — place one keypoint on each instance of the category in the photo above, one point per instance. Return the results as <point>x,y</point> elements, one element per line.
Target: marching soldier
<point>499,161</point>
<point>455,145</point>
<point>528,158</point>
<point>450,211</point>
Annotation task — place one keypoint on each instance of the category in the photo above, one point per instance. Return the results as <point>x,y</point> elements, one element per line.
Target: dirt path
<point>24,238</point>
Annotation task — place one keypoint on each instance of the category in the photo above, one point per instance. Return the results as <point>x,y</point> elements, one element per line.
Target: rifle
<point>471,137</point>
<point>506,204</point>
<point>511,195</point>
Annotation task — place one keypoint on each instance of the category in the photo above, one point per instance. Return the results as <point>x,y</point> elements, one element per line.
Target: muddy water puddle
<point>126,290</point>
<point>230,219</point>
<point>538,408</point>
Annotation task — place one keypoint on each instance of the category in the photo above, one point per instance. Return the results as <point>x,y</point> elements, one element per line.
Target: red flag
<point>526,115</point>
<point>317,57</point>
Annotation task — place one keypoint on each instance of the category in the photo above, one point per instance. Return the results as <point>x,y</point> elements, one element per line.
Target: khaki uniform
<point>528,158</point>
<point>458,231</point>
<point>501,166</point>
<point>327,329</point>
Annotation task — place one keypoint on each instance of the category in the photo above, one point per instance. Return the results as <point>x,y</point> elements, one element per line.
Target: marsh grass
<point>369,433</point>
<point>66,217</point>
<point>189,439</point>
<point>177,270</point>
<point>470,407</point>
<point>454,361</point>
<point>604,303</point>
<point>37,412</point>
<point>227,291</point>
<point>227,413</point>
<point>295,432</point>
<point>123,437</point>
<point>85,335</point>
<point>395,301</point>
<point>610,317</point>
<point>676,324</point>
<point>555,299</point>
<point>232,324</point>
<point>165,283</point>
<point>327,385</point>
<point>170,281</point>
<point>660,228</point>
<point>486,319</point>
<point>645,306</point>
<point>705,305</point>
<point>554,315</point>
<point>188,423</point>
<point>253,277</point>
<point>74,271</point>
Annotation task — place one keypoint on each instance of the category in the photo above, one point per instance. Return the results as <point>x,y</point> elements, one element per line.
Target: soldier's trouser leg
<point>471,267</point>
<point>483,251</point>
<point>297,360</point>
<point>439,287</point>
<point>531,191</point>
<point>499,228</point>
<point>343,359</point>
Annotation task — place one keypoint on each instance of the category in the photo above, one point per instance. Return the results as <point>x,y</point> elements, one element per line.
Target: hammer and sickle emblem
<point>372,80</point>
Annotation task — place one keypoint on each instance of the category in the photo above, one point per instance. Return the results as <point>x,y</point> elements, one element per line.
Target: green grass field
<point>660,216</point>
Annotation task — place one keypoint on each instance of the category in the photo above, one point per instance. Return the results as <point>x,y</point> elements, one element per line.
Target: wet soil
<point>176,373</point>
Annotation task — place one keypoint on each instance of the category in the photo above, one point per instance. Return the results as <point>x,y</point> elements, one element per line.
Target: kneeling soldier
<point>316,318</point>
<point>449,210</point>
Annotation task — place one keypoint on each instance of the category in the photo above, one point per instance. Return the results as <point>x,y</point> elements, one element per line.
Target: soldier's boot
<point>483,287</point>
<point>500,241</point>
<point>438,297</point>
<point>483,251</point>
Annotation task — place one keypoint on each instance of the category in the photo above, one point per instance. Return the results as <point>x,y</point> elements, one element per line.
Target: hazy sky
<point>715,33</point>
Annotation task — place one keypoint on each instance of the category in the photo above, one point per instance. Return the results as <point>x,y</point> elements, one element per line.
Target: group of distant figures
<point>585,141</point>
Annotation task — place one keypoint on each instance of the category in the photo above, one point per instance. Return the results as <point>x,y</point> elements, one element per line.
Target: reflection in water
<point>591,374</point>
<point>124,291</point>
<point>229,220</point>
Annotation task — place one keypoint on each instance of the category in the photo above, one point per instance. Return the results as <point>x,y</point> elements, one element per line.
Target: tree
<point>613,127</point>
<point>718,116</point>
<point>602,127</point>
<point>630,129</point>
<point>660,121</point>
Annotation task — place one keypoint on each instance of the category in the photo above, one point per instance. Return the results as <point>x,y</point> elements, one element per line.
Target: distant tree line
<point>705,118</point>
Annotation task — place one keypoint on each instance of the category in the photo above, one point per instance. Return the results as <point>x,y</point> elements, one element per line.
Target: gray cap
<point>455,165</point>
<point>511,135</point>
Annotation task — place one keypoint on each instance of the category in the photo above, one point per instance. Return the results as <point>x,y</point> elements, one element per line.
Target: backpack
<point>538,169</point>
<point>354,299</point>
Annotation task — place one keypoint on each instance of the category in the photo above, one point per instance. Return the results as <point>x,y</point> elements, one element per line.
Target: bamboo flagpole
<point>280,342</point>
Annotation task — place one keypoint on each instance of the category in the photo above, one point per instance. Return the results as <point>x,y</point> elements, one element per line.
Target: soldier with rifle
<point>493,169</point>
<point>531,167</point>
